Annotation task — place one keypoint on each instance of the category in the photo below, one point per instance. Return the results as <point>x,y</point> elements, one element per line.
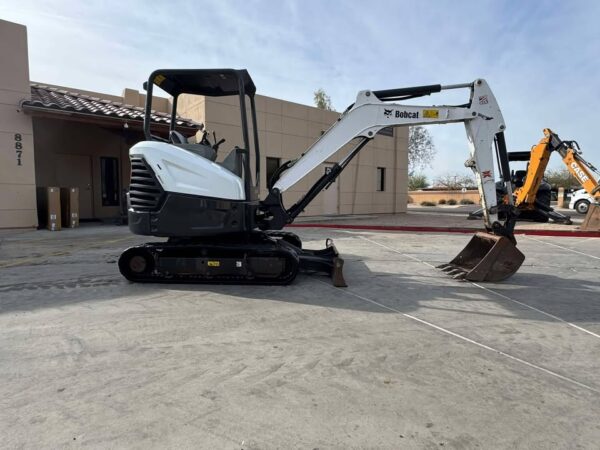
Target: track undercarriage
<point>273,257</point>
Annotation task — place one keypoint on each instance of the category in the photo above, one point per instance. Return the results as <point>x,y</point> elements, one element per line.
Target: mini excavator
<point>219,231</point>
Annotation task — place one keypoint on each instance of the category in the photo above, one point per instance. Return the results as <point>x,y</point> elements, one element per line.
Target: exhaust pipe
<point>486,257</point>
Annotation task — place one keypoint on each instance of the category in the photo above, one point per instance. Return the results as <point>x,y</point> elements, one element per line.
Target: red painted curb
<point>558,233</point>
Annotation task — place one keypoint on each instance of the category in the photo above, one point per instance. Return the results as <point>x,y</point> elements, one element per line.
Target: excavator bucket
<point>592,219</point>
<point>486,257</point>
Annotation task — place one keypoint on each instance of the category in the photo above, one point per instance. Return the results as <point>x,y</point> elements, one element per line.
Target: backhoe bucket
<point>486,257</point>
<point>592,219</point>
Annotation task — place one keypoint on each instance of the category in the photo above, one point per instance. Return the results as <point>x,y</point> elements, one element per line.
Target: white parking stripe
<point>466,339</point>
<point>560,246</point>
<point>525,305</point>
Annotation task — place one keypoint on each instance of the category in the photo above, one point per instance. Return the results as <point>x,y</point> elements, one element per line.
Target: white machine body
<point>182,171</point>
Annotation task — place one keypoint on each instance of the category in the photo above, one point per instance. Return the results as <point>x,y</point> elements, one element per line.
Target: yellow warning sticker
<point>158,79</point>
<point>431,113</point>
<point>214,263</point>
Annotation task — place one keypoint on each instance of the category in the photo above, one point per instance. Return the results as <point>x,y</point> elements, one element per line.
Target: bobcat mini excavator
<point>220,232</point>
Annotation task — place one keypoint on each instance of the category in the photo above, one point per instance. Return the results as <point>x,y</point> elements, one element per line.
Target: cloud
<point>540,58</point>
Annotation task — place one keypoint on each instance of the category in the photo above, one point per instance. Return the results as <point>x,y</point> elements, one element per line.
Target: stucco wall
<point>17,179</point>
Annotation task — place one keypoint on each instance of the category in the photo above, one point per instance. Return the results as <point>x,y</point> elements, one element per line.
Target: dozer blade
<point>486,257</point>
<point>592,219</point>
<point>325,260</point>
<point>337,274</point>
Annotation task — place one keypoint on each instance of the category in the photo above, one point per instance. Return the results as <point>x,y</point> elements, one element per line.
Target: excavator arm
<point>582,170</point>
<point>375,110</point>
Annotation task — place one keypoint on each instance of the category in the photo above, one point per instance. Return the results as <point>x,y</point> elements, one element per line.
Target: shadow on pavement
<point>574,301</point>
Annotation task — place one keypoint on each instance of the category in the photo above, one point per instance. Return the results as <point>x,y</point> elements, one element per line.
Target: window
<point>387,131</point>
<point>109,178</point>
<point>381,179</point>
<point>272,165</point>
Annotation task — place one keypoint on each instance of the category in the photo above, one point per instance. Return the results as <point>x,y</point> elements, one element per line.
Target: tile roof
<point>57,99</point>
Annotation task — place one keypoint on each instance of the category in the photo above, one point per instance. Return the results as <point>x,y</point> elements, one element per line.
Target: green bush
<point>442,201</point>
<point>451,202</point>
<point>427,204</point>
<point>466,201</point>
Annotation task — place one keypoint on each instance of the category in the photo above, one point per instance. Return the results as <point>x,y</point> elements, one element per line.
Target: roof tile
<point>52,98</point>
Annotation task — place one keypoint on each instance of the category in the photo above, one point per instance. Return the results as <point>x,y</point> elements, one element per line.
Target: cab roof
<point>207,82</point>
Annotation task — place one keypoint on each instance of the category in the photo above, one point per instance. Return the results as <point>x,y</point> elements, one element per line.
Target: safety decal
<point>431,113</point>
<point>214,263</point>
<point>483,100</point>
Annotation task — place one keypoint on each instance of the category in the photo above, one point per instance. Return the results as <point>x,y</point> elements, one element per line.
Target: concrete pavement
<point>403,358</point>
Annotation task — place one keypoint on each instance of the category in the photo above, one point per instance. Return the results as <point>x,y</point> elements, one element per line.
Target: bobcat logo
<point>388,112</point>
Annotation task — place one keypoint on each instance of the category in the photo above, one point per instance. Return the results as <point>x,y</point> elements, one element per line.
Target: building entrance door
<point>76,171</point>
<point>331,196</point>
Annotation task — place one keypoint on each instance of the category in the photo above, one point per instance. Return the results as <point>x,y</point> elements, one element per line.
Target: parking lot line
<point>464,338</point>
<point>533,308</point>
<point>561,247</point>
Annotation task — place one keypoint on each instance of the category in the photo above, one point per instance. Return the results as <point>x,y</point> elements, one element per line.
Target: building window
<point>272,166</point>
<point>381,179</point>
<point>109,178</point>
<point>387,131</point>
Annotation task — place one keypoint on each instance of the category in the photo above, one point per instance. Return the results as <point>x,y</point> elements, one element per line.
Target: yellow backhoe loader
<point>585,173</point>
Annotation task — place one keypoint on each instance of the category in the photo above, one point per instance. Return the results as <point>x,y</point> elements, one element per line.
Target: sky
<point>541,58</point>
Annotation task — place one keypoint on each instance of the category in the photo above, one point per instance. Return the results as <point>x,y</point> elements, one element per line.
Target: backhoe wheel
<point>582,206</point>
<point>136,263</point>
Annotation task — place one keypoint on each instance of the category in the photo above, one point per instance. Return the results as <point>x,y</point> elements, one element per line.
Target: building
<point>62,136</point>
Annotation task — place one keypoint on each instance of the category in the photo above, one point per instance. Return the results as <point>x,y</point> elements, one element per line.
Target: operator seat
<point>519,178</point>
<point>206,151</point>
<point>232,162</point>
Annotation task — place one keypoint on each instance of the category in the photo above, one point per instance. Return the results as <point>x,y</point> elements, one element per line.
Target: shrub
<point>427,204</point>
<point>466,201</point>
<point>442,201</point>
<point>451,202</point>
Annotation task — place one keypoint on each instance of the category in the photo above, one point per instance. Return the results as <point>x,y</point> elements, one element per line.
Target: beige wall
<point>287,129</point>
<point>435,196</point>
<point>17,179</point>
